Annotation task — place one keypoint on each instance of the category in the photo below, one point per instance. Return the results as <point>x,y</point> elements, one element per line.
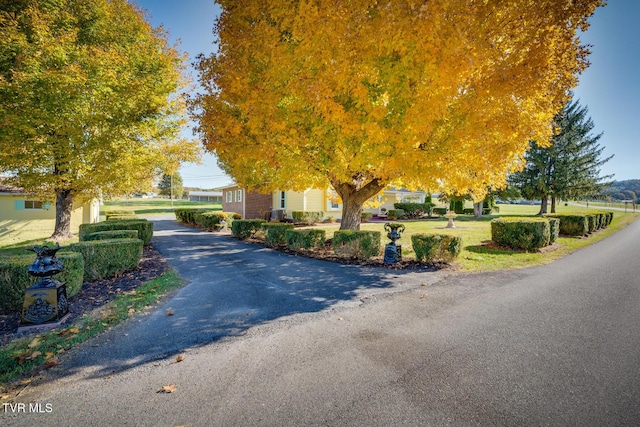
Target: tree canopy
<point>569,168</point>
<point>438,94</point>
<point>89,102</point>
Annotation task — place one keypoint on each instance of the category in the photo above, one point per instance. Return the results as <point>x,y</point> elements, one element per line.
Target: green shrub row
<point>245,228</point>
<point>212,220</point>
<point>14,278</point>
<point>433,248</point>
<point>111,234</point>
<point>117,213</point>
<point>106,258</point>
<point>366,216</point>
<point>583,224</point>
<point>439,211</point>
<point>529,234</point>
<point>274,232</point>
<point>415,210</point>
<point>187,215</point>
<point>356,244</point>
<point>305,239</point>
<point>554,229</point>
<point>307,217</point>
<point>144,228</point>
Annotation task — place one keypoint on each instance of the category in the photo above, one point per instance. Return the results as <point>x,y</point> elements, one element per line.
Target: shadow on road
<point>232,286</point>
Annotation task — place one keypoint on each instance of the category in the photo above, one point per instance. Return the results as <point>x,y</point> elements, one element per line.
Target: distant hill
<point>624,190</point>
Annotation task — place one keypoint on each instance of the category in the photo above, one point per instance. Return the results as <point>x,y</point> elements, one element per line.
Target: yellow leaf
<point>49,355</point>
<point>179,359</point>
<point>35,354</point>
<point>34,342</point>
<point>167,389</point>
<point>169,312</point>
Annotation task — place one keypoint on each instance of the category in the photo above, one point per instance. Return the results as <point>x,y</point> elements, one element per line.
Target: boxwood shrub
<point>432,248</point>
<point>307,217</point>
<point>395,213</point>
<point>14,278</point>
<point>112,234</point>
<point>211,220</point>
<point>274,232</point>
<point>305,239</point>
<point>187,215</point>
<point>415,210</point>
<point>439,211</point>
<point>106,258</point>
<point>245,228</point>
<point>554,229</point>
<point>144,227</point>
<point>117,213</point>
<point>529,234</point>
<point>356,244</point>
<point>573,225</point>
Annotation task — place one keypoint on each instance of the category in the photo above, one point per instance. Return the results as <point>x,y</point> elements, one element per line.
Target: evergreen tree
<point>171,185</point>
<point>569,168</point>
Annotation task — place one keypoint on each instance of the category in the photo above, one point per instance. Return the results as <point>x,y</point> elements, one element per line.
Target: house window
<point>282,200</point>
<point>33,204</point>
<point>229,196</point>
<point>333,201</point>
<point>239,195</point>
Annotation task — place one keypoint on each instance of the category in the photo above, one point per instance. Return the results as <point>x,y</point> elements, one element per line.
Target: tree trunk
<point>553,204</point>
<point>477,209</point>
<point>543,205</point>
<point>354,195</point>
<point>64,206</point>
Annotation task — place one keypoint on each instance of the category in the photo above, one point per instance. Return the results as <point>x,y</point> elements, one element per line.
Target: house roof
<point>9,189</point>
<point>205,193</point>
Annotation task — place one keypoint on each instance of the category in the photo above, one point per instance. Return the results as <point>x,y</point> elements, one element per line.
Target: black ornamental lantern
<point>46,301</point>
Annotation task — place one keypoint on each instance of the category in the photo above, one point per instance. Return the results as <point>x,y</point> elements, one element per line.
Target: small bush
<point>592,221</point>
<point>395,213</point>
<point>187,215</point>
<point>573,225</point>
<point>440,211</point>
<point>211,220</point>
<point>517,233</point>
<point>468,211</point>
<point>117,212</point>
<point>245,228</point>
<point>305,239</point>
<point>14,278</point>
<point>554,229</point>
<point>112,234</point>
<point>106,258</point>
<point>457,206</point>
<point>366,216</point>
<point>356,244</point>
<point>415,210</point>
<point>274,233</point>
<point>120,217</point>
<point>432,248</point>
<point>307,217</point>
<point>144,227</point>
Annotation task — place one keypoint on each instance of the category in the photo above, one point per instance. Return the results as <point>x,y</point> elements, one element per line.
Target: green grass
<point>154,206</point>
<point>24,355</point>
<point>478,255</point>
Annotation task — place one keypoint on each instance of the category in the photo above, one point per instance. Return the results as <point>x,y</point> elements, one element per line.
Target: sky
<point>609,88</point>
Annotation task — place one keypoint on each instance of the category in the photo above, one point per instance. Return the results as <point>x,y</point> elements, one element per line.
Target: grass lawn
<point>154,206</point>
<point>477,255</point>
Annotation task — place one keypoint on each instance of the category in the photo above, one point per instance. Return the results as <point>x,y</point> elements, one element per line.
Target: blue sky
<point>610,87</point>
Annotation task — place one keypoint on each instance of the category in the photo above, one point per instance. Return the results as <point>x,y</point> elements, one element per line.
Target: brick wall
<point>257,204</point>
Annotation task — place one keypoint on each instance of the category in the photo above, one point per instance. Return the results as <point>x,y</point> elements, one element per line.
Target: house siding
<point>251,205</point>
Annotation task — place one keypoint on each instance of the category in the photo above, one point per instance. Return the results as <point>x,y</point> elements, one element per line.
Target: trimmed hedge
<point>144,227</point>
<point>554,229</point>
<point>14,278</point>
<point>187,215</point>
<point>529,234</point>
<point>439,211</point>
<point>112,234</point>
<point>573,225</point>
<point>245,228</point>
<point>432,248</point>
<point>106,258</point>
<point>117,213</point>
<point>211,220</point>
<point>415,210</point>
<point>274,233</point>
<point>356,244</point>
<point>305,239</point>
<point>366,216</point>
<point>395,213</point>
<point>307,217</point>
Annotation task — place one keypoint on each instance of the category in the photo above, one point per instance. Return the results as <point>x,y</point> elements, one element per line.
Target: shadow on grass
<point>490,248</point>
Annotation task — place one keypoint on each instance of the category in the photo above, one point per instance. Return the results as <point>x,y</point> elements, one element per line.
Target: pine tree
<point>569,168</point>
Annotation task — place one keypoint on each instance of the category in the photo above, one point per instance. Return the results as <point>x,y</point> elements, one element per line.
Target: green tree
<point>88,101</point>
<point>361,94</point>
<point>171,185</point>
<point>569,168</point>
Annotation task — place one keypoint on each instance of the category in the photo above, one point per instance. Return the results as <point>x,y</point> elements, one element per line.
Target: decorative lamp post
<point>46,301</point>
<point>393,251</point>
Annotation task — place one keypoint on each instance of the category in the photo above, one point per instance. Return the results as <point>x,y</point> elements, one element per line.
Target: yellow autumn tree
<point>89,102</point>
<point>361,94</point>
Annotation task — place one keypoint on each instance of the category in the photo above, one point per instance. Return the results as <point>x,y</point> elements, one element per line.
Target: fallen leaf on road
<point>169,312</point>
<point>340,318</point>
<point>167,389</point>
<point>179,359</point>
<point>4,396</point>
<point>50,363</point>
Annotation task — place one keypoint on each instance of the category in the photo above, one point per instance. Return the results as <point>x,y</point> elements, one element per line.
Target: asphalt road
<point>270,339</point>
